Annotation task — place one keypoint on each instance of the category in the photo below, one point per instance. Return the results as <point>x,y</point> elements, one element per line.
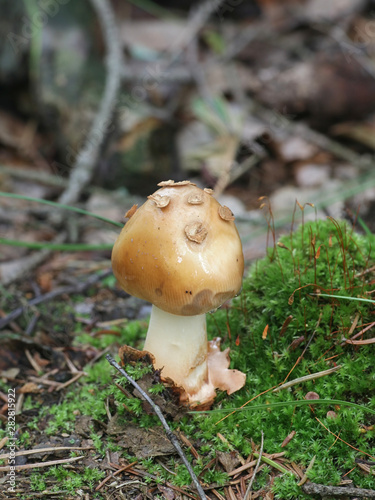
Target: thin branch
<point>79,288</point>
<point>7,468</point>
<point>172,437</point>
<point>288,127</point>
<point>198,18</point>
<point>248,490</point>
<point>86,161</point>
<point>336,491</point>
<point>38,176</point>
<point>50,449</point>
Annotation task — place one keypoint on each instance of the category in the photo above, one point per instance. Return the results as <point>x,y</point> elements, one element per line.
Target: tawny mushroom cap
<point>180,251</point>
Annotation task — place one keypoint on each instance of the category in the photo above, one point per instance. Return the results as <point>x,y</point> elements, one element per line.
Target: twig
<point>34,175</point>
<point>351,339</point>
<point>7,468</point>
<point>85,163</point>
<point>248,490</point>
<point>336,491</point>
<point>322,141</point>
<point>32,361</point>
<point>44,450</point>
<point>79,288</point>
<point>177,74</point>
<point>244,467</point>
<point>350,49</point>
<point>311,376</point>
<point>71,381</point>
<point>197,19</point>
<point>111,476</point>
<point>32,324</point>
<point>173,439</point>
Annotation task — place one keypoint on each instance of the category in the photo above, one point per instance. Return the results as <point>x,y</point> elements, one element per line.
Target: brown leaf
<point>29,387</point>
<point>228,460</point>
<point>167,493</point>
<point>146,443</point>
<point>288,439</point>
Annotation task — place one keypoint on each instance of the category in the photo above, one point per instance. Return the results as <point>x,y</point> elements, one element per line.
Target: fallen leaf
<point>29,387</point>
<point>288,439</point>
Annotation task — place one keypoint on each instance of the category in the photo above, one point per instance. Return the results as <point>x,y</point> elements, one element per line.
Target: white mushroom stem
<point>179,344</point>
<point>180,348</point>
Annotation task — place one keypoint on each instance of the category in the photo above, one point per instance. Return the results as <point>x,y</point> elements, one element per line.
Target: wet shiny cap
<point>180,251</point>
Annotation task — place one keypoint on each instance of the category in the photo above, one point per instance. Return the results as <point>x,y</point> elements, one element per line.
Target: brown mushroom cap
<point>180,251</point>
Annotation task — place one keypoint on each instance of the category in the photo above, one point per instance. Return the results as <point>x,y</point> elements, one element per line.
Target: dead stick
<point>81,287</point>
<point>84,166</point>
<point>336,491</point>
<point>248,490</point>
<point>39,464</point>
<point>173,439</point>
<point>45,450</point>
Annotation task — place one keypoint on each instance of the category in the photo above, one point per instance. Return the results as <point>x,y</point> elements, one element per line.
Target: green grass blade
<point>282,404</point>
<point>365,227</point>
<point>359,299</point>
<point>72,247</point>
<point>60,205</point>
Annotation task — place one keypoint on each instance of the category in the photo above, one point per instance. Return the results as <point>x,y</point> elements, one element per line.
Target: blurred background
<point>100,100</point>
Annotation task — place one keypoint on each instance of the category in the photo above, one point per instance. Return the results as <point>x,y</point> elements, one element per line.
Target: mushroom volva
<point>181,251</point>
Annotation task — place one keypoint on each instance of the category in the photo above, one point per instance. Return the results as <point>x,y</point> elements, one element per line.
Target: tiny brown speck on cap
<point>195,231</point>
<point>159,200</point>
<point>195,199</point>
<point>225,213</point>
<point>173,183</point>
<point>131,211</point>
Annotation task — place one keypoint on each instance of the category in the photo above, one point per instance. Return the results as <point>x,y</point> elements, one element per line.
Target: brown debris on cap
<point>195,231</point>
<point>226,213</point>
<point>131,211</point>
<point>159,200</point>
<point>173,183</point>
<point>195,199</point>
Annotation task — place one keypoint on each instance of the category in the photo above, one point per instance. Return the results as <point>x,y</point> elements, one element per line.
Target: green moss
<point>320,257</point>
<point>68,480</point>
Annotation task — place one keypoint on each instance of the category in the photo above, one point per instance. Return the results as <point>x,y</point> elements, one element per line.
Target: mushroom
<point>181,251</point>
